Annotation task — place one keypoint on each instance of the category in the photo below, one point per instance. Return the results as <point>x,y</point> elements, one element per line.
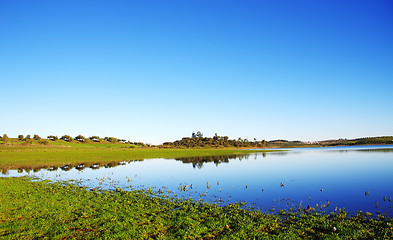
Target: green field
<point>44,210</point>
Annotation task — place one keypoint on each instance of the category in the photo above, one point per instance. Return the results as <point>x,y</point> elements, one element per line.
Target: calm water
<point>354,178</point>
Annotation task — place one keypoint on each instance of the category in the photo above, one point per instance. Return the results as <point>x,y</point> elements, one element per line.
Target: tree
<point>5,139</point>
<point>53,138</point>
<point>95,138</point>
<point>20,137</point>
<point>80,138</point>
<point>66,138</point>
<point>111,139</point>
<point>199,134</point>
<point>28,137</point>
<point>215,136</point>
<point>36,137</point>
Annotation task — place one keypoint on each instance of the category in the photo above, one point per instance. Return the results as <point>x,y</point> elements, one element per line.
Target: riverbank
<point>40,156</point>
<point>35,209</point>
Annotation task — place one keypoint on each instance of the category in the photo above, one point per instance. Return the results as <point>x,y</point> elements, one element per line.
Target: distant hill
<point>359,141</point>
<point>223,141</point>
<point>332,142</point>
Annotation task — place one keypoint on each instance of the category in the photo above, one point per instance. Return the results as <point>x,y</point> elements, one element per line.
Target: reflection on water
<point>78,167</point>
<point>354,178</point>
<point>197,162</point>
<point>377,150</point>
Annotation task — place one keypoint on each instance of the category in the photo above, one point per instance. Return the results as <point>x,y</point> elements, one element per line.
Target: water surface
<point>351,178</point>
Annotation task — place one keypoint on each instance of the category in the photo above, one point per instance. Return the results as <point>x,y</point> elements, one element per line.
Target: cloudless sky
<point>155,71</point>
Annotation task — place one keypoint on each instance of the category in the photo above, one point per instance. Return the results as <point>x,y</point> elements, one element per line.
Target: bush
<point>5,139</point>
<point>67,138</point>
<point>53,138</point>
<point>80,138</point>
<point>43,142</point>
<point>95,138</point>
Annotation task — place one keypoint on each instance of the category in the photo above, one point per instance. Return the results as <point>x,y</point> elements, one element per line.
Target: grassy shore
<point>57,154</point>
<point>35,210</point>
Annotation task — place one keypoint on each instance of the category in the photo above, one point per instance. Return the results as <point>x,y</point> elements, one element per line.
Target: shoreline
<point>15,157</point>
<point>31,209</point>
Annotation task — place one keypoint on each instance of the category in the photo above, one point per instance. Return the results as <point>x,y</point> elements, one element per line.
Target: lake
<point>351,178</point>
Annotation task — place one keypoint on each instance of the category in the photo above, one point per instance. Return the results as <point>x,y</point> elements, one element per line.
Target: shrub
<point>43,142</point>
<point>53,138</point>
<point>67,138</point>
<point>80,138</point>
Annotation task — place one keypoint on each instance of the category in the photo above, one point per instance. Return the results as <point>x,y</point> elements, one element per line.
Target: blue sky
<point>156,71</point>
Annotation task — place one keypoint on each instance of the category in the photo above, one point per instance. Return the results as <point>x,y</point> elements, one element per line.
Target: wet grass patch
<point>42,209</point>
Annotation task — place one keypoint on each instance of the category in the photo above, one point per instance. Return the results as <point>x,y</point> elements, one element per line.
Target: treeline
<point>25,139</point>
<point>359,141</point>
<point>375,140</point>
<point>67,138</point>
<point>197,140</point>
<point>96,139</point>
<point>331,143</point>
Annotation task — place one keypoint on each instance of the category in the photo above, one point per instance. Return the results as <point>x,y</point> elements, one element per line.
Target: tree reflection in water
<point>197,162</point>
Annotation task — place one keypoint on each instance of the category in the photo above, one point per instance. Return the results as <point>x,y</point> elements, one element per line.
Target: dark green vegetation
<point>369,140</point>
<point>198,141</point>
<point>35,210</point>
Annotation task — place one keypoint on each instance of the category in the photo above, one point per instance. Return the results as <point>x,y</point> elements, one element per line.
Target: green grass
<point>44,210</point>
<point>60,153</point>
<point>62,143</point>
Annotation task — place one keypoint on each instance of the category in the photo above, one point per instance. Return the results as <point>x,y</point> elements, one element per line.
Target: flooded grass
<point>42,209</point>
